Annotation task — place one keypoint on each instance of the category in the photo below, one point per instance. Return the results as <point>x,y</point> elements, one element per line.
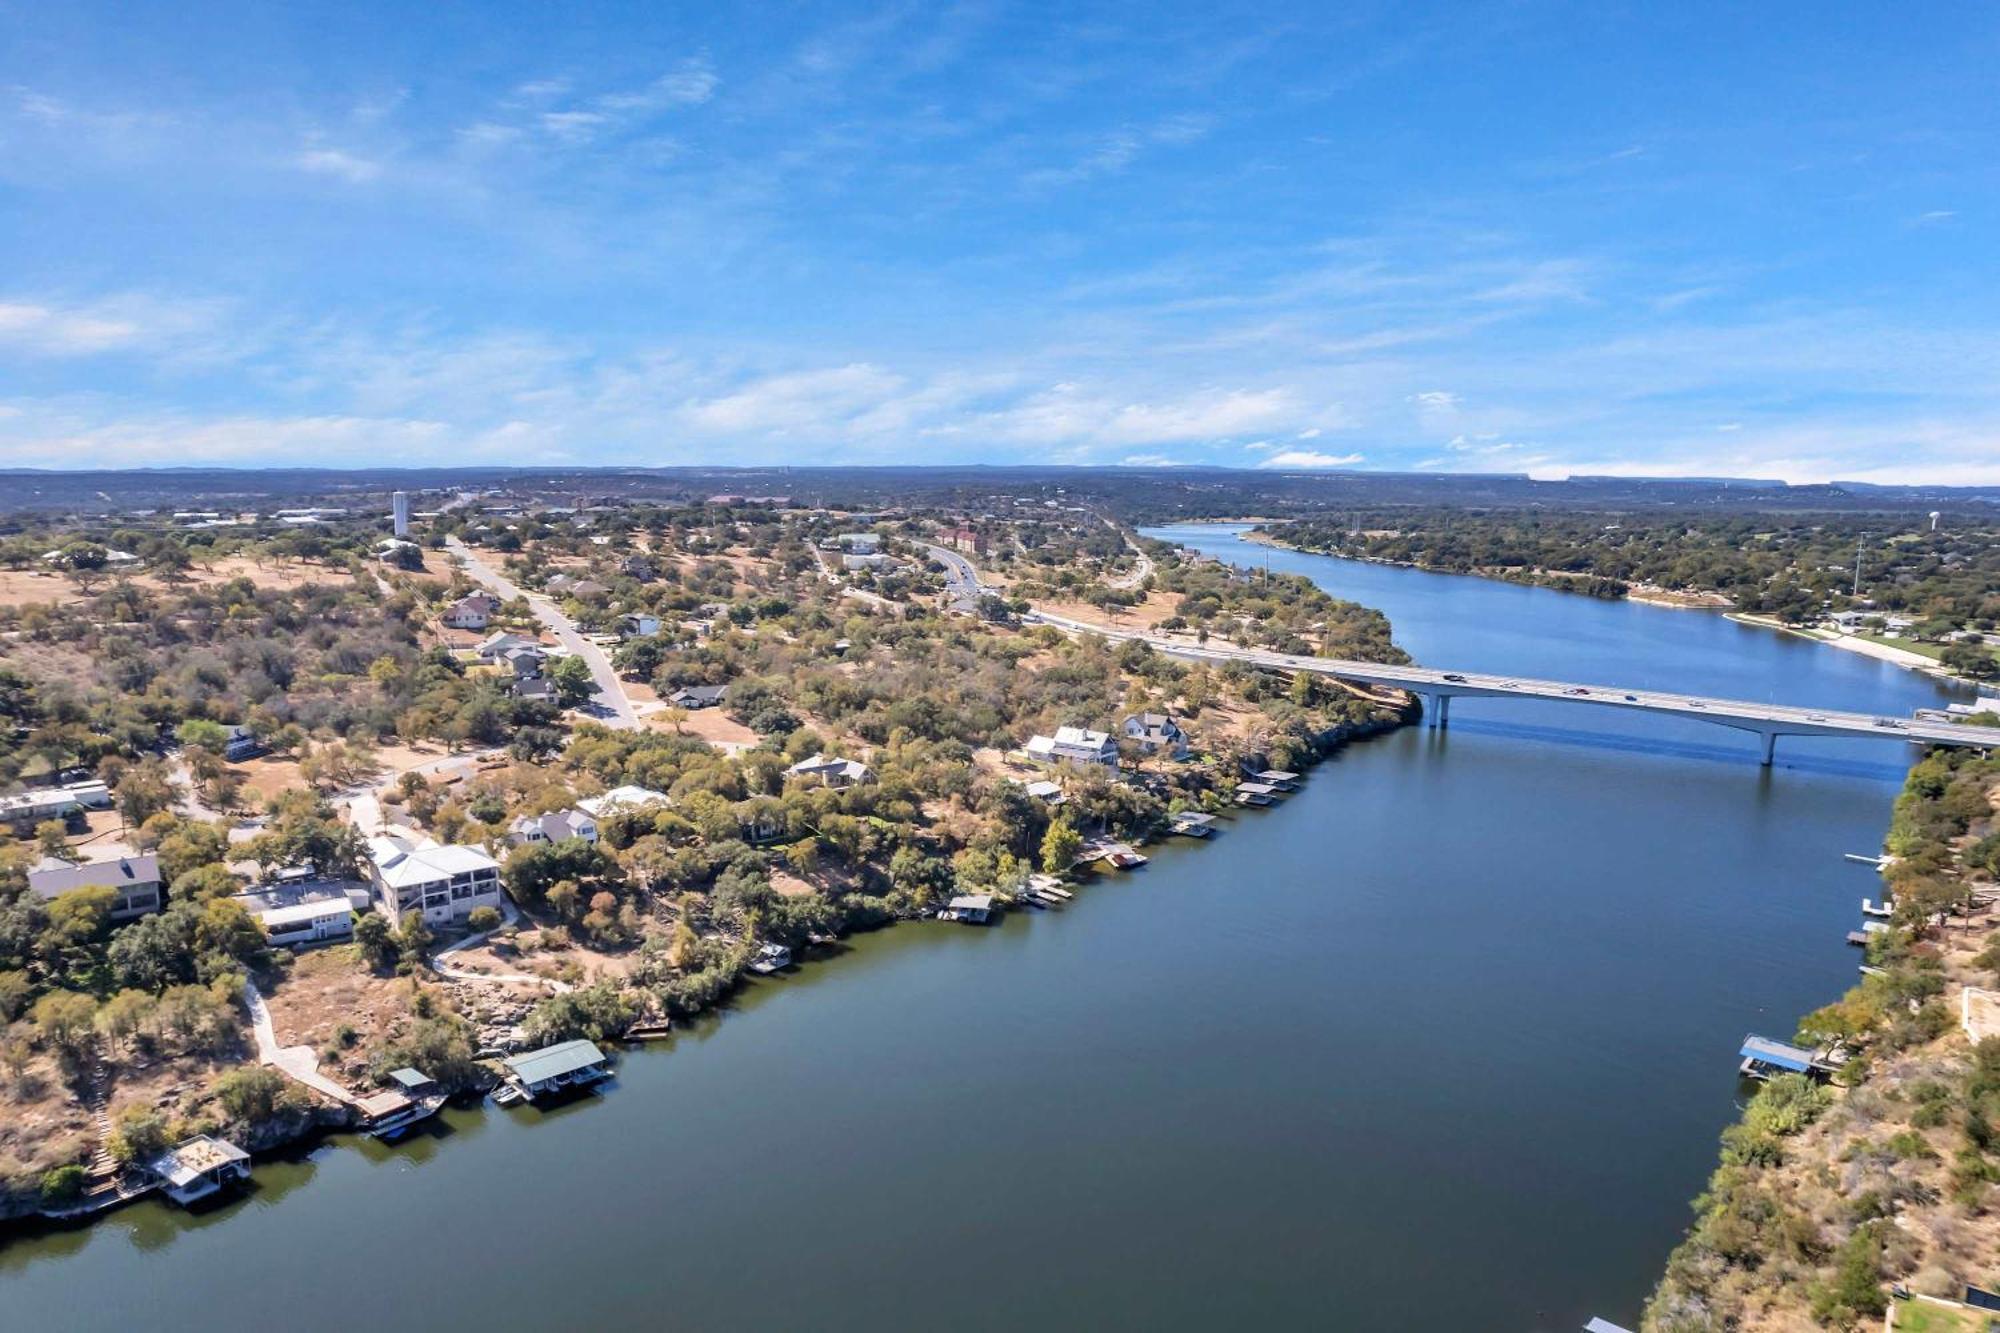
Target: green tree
<point>251,1095</point>
<point>376,941</point>
<point>573,681</point>
<point>1060,846</point>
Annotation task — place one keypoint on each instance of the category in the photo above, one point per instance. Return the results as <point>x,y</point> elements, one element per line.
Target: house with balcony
<point>1074,745</point>
<point>445,882</point>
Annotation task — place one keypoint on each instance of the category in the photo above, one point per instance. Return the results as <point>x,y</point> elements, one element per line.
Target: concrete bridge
<point>1438,688</point>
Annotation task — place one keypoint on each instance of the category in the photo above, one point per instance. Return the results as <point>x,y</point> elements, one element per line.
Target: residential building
<point>860,543</point>
<point>327,919</point>
<point>472,611</point>
<point>639,625</point>
<point>134,881</point>
<point>1074,745</point>
<point>639,567</point>
<point>1154,732</point>
<point>693,697</point>
<point>622,800</point>
<point>23,810</point>
<point>831,772</point>
<point>501,642</point>
<point>556,826</point>
<point>242,744</point>
<point>443,881</point>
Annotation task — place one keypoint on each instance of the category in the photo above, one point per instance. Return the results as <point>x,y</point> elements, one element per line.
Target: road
<point>622,716</point>
<point>1438,688</point>
<point>1140,572</point>
<point>961,580</point>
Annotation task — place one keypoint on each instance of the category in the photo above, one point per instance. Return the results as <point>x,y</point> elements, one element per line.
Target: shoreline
<point>1848,642</point>
<point>304,1129</point>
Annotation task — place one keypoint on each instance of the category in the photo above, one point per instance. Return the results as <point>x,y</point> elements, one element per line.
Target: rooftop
<point>566,1057</point>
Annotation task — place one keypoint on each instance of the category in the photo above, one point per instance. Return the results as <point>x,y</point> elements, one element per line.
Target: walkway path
<point>622,716</point>
<point>509,915</point>
<point>297,1063</point>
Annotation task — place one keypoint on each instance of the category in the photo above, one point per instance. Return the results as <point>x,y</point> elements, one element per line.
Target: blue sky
<point>1602,237</point>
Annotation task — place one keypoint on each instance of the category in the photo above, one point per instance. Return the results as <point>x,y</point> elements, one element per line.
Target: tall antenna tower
<point>1857,568</point>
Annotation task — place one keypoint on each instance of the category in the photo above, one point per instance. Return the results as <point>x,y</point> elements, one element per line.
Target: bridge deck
<point>1767,719</point>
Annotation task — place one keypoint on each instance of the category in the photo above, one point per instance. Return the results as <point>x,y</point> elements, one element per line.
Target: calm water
<point>1443,1042</point>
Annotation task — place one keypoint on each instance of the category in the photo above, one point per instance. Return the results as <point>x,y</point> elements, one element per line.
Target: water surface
<point>1443,1042</point>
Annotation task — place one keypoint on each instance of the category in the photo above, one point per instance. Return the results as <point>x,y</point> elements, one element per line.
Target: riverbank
<point>1664,598</point>
<point>310,1115</point>
<point>1827,1196</point>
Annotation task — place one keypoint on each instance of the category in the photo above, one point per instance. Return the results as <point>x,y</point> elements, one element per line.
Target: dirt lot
<point>40,585</point>
<point>329,987</point>
<point>712,725</point>
<point>265,777</point>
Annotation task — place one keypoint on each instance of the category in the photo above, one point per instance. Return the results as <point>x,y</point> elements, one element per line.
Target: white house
<point>831,772</point>
<point>556,826</point>
<point>311,920</point>
<point>1074,745</point>
<point>444,882</point>
<point>472,611</point>
<point>1154,732</point>
<point>620,800</point>
<point>639,625</point>
<point>134,881</point>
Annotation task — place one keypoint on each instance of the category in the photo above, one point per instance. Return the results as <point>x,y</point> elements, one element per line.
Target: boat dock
<point>1870,908</point>
<point>1256,794</point>
<point>1763,1057</point>
<point>1877,861</point>
<point>1193,824</point>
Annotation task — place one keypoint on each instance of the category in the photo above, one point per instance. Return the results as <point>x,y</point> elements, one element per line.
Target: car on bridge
<point>1454,677</point>
<point>1576,689</point>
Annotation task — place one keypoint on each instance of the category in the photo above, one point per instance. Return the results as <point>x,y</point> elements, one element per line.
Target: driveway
<point>618,712</point>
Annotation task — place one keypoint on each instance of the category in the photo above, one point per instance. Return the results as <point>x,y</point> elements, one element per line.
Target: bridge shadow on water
<point>1799,759</point>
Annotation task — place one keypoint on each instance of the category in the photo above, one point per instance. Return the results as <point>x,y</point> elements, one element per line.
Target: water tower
<point>399,512</point>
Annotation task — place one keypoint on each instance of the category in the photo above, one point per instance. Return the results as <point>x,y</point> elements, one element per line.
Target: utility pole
<point>1857,568</point>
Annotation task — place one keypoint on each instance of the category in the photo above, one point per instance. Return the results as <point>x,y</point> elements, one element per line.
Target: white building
<point>472,611</point>
<point>399,512</point>
<point>444,882</point>
<point>312,920</point>
<point>1154,732</point>
<point>556,826</point>
<point>831,772</point>
<point>622,800</point>
<point>639,625</point>
<point>1074,745</point>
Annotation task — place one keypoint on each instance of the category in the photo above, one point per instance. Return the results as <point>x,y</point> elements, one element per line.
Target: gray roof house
<point>135,880</point>
<point>1155,732</point>
<point>698,696</point>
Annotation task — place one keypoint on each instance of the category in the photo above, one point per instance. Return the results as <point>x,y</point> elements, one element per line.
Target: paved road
<point>1440,687</point>
<point>622,716</point>
<point>961,580</point>
<point>1140,571</point>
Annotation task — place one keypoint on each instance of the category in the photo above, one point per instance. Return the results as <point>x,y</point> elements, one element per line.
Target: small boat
<point>508,1095</point>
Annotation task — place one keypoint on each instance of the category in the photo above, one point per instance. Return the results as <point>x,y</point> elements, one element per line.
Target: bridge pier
<point>1770,746</point>
<point>1444,710</point>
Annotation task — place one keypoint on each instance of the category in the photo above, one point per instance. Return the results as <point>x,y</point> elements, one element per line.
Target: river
<point>1444,1041</point>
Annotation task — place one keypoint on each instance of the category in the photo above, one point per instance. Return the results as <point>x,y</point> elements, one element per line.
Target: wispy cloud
<point>338,163</point>
<point>1310,460</point>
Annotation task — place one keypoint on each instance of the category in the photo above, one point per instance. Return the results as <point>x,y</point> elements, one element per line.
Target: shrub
<point>62,1185</point>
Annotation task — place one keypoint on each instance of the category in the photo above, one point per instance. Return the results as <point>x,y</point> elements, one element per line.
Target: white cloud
<point>1151,460</point>
<point>1435,400</point>
<point>1309,433</point>
<point>51,332</point>
<point>573,126</point>
<point>693,83</point>
<point>337,162</point>
<point>1307,459</point>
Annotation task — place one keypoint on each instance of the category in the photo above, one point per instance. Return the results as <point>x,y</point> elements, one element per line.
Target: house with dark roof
<point>1154,732</point>
<point>134,881</point>
<point>698,696</point>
